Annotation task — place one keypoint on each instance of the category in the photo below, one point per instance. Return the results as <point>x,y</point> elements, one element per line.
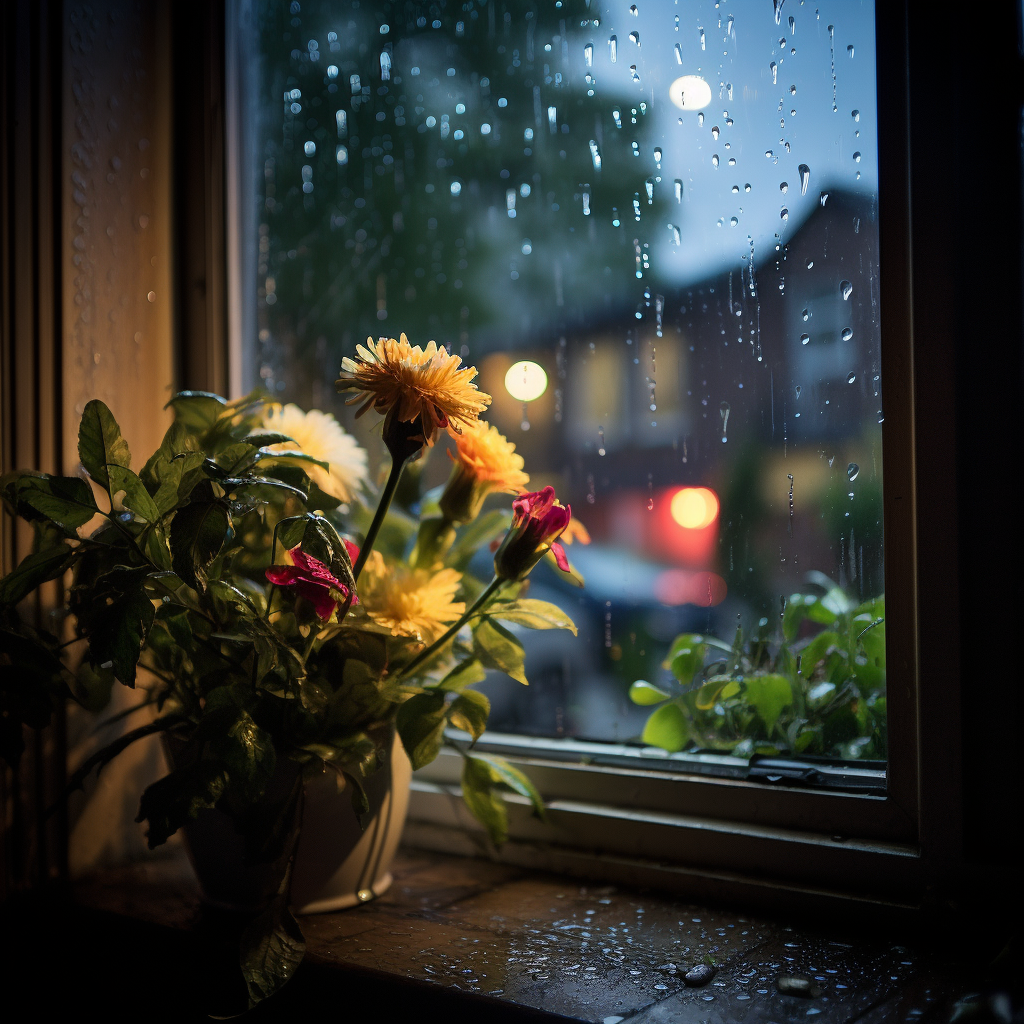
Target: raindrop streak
<point>617,118</point>
<point>676,234</point>
<point>553,119</point>
<point>846,289</point>
<point>657,155</point>
<point>774,68</point>
<point>852,471</point>
<point>778,11</point>
<point>724,409</point>
<point>601,448</point>
<point>832,52</point>
<point>701,31</point>
<point>790,475</point>
<point>679,190</point>
<point>588,55</point>
<point>805,177</point>
<point>679,54</point>
<point>649,186</point>
<point>613,45</point>
<point>595,155</point>
<point>385,66</point>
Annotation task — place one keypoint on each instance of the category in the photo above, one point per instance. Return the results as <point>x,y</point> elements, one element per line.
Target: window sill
<point>475,940</point>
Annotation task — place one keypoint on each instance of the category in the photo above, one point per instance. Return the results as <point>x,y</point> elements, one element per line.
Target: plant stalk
<point>378,518</point>
<point>428,652</point>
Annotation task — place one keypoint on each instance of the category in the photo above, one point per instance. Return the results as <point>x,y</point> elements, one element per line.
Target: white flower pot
<point>337,863</point>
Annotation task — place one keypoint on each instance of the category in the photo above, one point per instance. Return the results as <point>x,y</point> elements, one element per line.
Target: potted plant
<point>283,631</point>
<point>816,690</point>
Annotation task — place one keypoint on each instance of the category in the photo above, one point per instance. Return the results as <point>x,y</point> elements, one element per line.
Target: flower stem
<point>428,652</point>
<point>382,510</point>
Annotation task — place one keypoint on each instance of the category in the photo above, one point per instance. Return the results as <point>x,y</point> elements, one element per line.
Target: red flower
<point>537,522</point>
<point>313,581</point>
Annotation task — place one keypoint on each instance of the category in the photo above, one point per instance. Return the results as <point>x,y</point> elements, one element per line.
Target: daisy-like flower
<point>485,462</point>
<point>319,434</point>
<point>410,383</point>
<point>312,580</point>
<point>538,520</point>
<point>412,602</point>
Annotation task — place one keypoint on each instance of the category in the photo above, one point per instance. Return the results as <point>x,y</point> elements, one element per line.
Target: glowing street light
<point>693,508</point>
<point>526,380</point>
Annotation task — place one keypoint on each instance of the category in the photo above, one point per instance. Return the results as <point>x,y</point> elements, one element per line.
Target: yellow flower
<point>485,462</point>
<point>413,383</point>
<point>322,436</point>
<point>413,602</point>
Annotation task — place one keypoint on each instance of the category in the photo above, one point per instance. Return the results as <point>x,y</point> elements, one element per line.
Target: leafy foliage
<point>168,581</point>
<point>818,689</point>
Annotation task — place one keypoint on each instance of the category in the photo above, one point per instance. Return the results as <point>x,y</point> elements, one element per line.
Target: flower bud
<point>537,522</point>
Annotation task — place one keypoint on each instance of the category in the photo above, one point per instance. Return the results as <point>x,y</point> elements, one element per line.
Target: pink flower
<point>313,581</point>
<point>538,520</point>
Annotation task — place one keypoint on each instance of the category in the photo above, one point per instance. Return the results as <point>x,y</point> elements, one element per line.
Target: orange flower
<point>485,462</point>
<point>410,383</point>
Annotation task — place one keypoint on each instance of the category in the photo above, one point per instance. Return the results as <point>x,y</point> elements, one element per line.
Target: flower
<point>320,435</point>
<point>411,383</point>
<point>485,462</point>
<point>313,581</point>
<point>575,531</point>
<point>538,520</point>
<point>414,602</point>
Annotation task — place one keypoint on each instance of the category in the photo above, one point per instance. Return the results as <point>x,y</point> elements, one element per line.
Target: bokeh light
<point>693,508</point>
<point>526,380</point>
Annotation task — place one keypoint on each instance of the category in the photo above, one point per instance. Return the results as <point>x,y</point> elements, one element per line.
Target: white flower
<point>320,435</point>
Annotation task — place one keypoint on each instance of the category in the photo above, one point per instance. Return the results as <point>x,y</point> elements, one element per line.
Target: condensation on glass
<point>671,209</point>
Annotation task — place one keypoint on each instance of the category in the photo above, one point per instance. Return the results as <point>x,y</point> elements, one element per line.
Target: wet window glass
<point>653,227</point>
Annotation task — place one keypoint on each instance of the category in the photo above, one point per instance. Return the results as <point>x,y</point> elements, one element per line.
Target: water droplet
<point>678,190</point>
<point>456,188</point>
<point>714,160</point>
<point>595,155</point>
<point>856,158</point>
<point>823,198</point>
<point>810,263</point>
<point>364,895</point>
<point>774,68</point>
<point>649,187</point>
<point>845,289</point>
<point>715,133</point>
<point>676,236</point>
<point>679,54</point>
<point>852,470</point>
<point>734,221</point>
<point>613,45</point>
<point>634,11</point>
<point>847,333</point>
<point>746,188</point>
<point>805,177</point>
<point>634,37</point>
<point>849,49</point>
<point>805,315</point>
<point>700,120</point>
<point>657,155</point>
<point>851,378</point>
<point>617,118</point>
<point>724,409</point>
<point>701,31</point>
<point>784,213</point>
<point>784,187</point>
<point>588,55</point>
<point>804,339</point>
<point>855,114</point>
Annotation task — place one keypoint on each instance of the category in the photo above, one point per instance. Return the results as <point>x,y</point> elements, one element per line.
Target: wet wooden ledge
<point>469,940</point>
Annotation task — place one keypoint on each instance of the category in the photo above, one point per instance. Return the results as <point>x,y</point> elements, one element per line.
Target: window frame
<point>733,838</point>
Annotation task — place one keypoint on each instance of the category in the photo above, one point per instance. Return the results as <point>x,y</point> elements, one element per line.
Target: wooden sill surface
<point>463,939</point>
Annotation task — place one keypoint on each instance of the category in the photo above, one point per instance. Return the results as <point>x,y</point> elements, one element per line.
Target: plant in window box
<point>820,694</point>
<point>283,633</point>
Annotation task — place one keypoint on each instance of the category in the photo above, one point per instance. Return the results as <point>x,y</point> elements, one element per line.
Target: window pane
<point>672,211</point>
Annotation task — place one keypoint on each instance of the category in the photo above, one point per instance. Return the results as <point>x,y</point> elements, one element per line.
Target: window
<point>451,175</point>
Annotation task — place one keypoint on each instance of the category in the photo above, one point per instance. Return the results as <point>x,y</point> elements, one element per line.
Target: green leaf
<point>532,613</point>
<point>768,695</point>
<point>66,501</point>
<point>469,712</point>
<point>121,617</point>
<point>421,721</point>
<point>197,534</point>
<point>483,802</point>
<point>643,692</point>
<point>136,497</point>
<point>717,688</point>
<point>171,469</point>
<point>178,797</point>
<point>93,686</point>
<point>686,657</point>
<point>795,613</point>
<point>34,570</point>
<point>197,410</point>
<point>814,653</point>
<point>242,747</point>
<point>666,728</point>
<point>100,443</point>
<point>512,778</point>
<point>466,673</point>
<point>497,648</point>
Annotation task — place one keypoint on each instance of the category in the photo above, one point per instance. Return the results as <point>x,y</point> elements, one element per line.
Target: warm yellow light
<point>526,380</point>
<point>690,92</point>
<point>694,507</point>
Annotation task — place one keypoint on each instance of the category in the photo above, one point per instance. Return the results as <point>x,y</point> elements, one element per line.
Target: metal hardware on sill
<point>858,776</point>
<point>807,772</point>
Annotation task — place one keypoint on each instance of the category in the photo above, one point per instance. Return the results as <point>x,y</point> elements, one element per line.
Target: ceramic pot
<point>337,862</point>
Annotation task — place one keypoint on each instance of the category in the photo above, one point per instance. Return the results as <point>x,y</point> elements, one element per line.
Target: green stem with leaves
<point>387,494</point>
<point>428,652</point>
